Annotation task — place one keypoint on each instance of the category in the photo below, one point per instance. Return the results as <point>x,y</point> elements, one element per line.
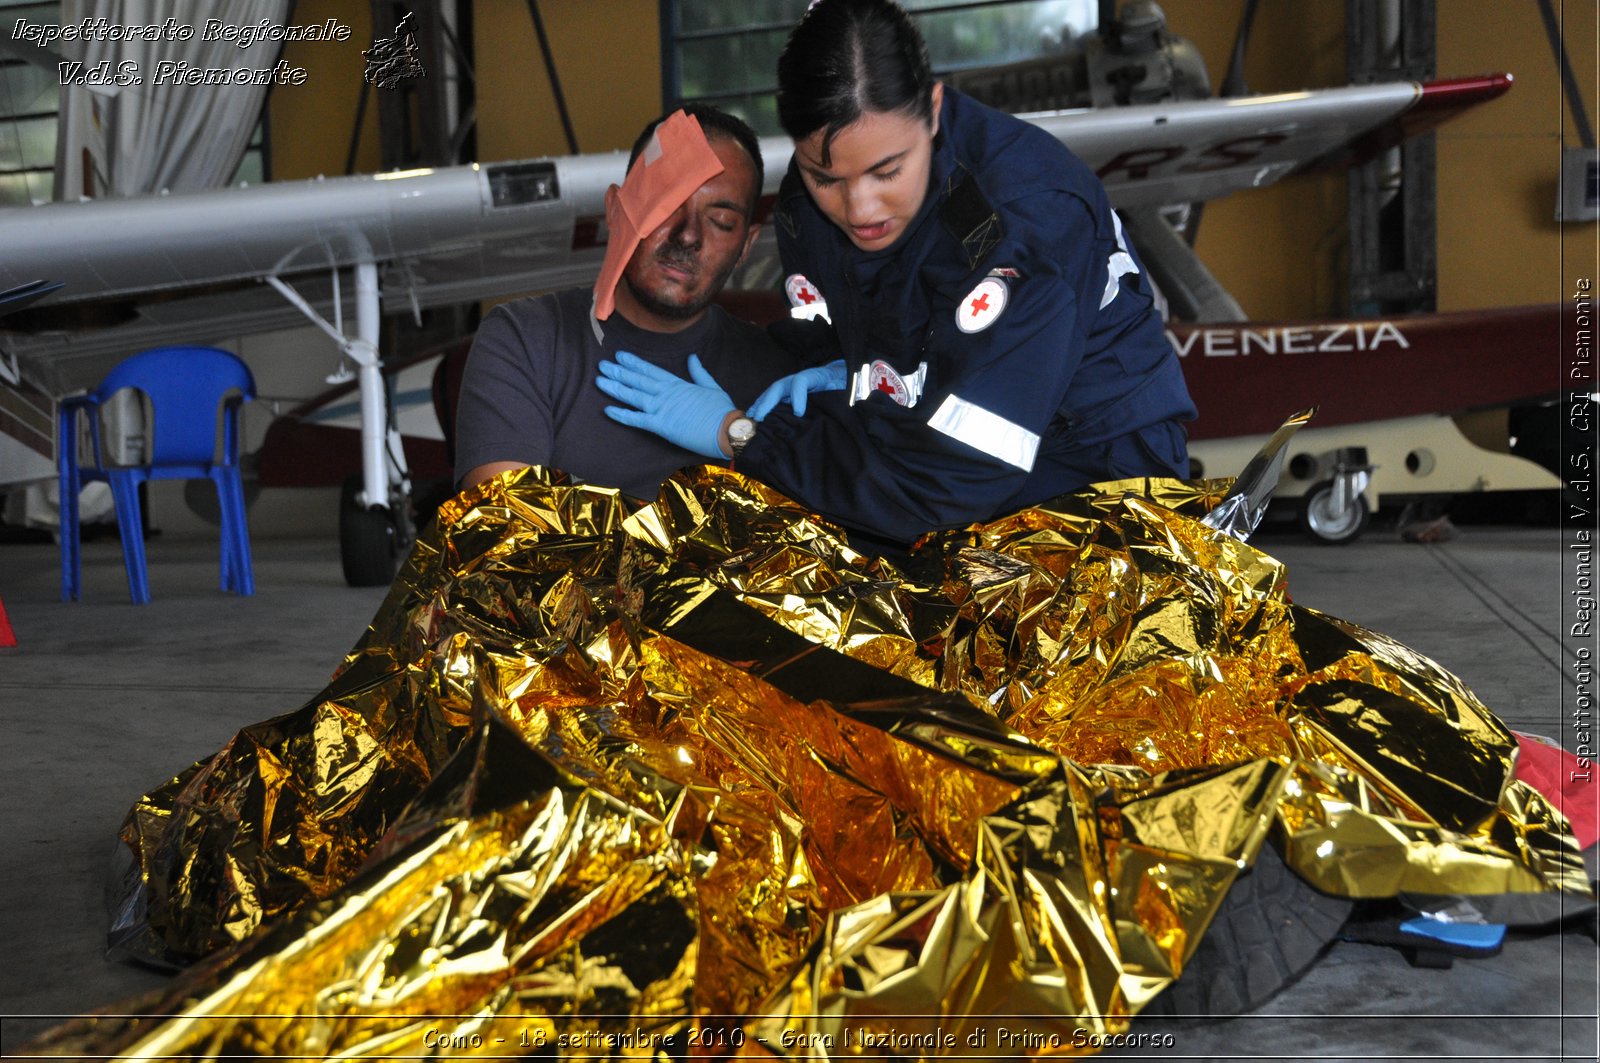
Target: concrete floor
<point>101,701</point>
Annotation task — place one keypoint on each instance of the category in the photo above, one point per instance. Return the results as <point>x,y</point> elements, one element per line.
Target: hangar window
<point>30,103</point>
<point>726,51</point>
<point>28,95</point>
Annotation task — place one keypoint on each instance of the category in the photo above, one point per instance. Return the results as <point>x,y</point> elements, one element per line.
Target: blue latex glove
<point>689,414</point>
<point>796,386</point>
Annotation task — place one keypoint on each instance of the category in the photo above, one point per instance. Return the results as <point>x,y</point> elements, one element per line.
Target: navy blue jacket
<point>1075,358</point>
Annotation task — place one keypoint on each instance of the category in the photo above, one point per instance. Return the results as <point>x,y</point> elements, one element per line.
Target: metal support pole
<point>1192,292</point>
<point>1392,224</point>
<point>369,377</point>
<point>380,443</point>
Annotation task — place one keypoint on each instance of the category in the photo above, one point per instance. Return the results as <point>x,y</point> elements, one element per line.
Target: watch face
<point>741,430</point>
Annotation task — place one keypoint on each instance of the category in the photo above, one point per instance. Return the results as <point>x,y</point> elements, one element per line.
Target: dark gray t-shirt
<point>528,392</point>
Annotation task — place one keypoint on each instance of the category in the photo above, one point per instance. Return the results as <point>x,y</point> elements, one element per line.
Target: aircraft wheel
<point>368,543</point>
<point>1326,523</point>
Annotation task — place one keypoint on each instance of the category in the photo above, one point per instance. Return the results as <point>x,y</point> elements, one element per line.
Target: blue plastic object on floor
<point>1424,941</point>
<point>185,385</point>
<point>1464,939</point>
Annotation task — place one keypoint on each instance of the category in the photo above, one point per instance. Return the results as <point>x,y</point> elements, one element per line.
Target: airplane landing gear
<point>371,540</point>
<point>375,525</point>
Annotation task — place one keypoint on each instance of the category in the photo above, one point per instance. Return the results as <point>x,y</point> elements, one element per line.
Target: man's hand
<point>796,386</point>
<point>690,414</point>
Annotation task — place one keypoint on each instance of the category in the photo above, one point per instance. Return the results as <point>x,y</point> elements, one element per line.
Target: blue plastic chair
<point>185,386</point>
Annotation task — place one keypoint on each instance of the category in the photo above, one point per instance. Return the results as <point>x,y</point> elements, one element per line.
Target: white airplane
<point>139,272</point>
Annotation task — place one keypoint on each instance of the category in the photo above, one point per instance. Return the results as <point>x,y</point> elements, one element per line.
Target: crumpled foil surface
<point>699,779</point>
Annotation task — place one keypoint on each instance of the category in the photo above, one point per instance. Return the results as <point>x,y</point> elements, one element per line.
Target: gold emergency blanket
<point>699,778</point>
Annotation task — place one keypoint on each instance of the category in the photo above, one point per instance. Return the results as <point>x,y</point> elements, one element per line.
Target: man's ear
<point>612,192</point>
<point>937,98</point>
<point>749,242</point>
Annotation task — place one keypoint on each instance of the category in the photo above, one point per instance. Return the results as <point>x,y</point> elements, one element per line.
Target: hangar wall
<point>1282,250</point>
<point>607,53</point>
<point>309,124</point>
<point>1499,243</point>
<point>608,56</point>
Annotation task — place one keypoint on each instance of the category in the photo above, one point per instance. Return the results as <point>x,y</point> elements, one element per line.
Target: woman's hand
<point>688,413</point>
<point>796,386</point>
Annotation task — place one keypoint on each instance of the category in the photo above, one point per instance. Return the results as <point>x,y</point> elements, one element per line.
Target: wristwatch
<point>741,430</point>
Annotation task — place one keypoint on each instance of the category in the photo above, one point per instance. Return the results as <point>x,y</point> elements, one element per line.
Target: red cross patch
<point>981,306</point>
<point>883,378</point>
<point>879,376</point>
<point>801,291</point>
<point>805,301</point>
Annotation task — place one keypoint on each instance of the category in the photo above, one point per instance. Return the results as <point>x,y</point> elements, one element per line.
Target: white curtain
<point>139,139</point>
<point>146,138</point>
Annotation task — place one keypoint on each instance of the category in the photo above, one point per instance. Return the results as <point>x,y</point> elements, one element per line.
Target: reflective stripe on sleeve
<point>985,431</point>
<point>1120,264</point>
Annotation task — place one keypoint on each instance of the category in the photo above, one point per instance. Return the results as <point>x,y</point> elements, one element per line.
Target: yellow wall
<point>1499,243</point>
<point>1280,250</point>
<point>1283,250</point>
<point>607,54</point>
<point>310,123</point>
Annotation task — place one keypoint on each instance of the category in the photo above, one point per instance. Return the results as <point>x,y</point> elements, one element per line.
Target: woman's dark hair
<point>849,57</point>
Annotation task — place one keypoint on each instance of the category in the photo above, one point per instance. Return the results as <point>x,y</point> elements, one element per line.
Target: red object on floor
<point>1565,780</point>
<point>7,636</point>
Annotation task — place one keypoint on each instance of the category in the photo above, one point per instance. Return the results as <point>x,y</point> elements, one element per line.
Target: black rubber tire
<point>1271,927</point>
<point>368,544</point>
<point>1315,523</point>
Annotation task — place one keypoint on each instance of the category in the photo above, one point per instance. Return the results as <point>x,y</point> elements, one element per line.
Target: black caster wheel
<point>1326,523</point>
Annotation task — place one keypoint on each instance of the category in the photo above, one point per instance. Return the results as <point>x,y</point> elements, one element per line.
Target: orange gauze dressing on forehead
<point>676,162</point>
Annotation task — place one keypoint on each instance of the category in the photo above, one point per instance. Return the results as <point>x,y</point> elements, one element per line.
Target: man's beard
<point>661,308</point>
<point>686,260</point>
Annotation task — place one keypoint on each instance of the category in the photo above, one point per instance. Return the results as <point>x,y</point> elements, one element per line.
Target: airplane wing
<point>172,268</point>
<point>1194,151</point>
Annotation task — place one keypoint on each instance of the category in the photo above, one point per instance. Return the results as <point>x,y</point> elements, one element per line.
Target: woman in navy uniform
<point>993,340</point>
